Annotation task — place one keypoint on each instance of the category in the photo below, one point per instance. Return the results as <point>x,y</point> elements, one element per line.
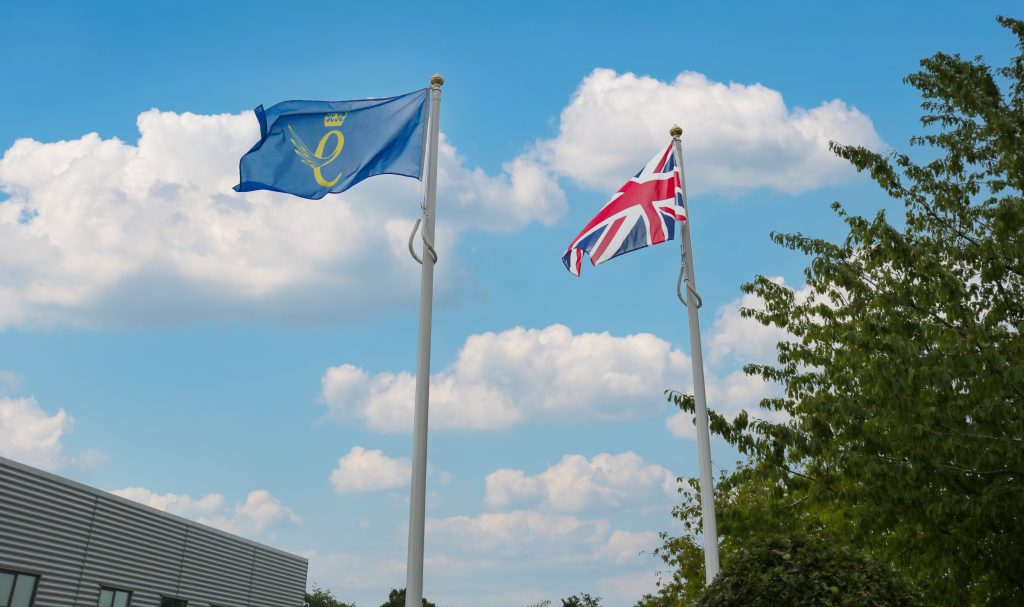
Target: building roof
<point>139,506</point>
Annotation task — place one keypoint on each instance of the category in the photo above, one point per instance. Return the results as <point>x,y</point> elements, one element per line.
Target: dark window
<point>169,602</point>
<point>17,589</point>
<point>112,597</point>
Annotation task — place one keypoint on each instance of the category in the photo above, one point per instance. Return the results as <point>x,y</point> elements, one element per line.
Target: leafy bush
<point>396,598</point>
<point>804,571</point>
<point>323,598</point>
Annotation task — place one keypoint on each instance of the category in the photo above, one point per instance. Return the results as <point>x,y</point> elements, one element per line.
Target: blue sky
<point>239,359</point>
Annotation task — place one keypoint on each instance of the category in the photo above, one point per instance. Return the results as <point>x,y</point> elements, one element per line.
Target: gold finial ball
<point>436,80</point>
<point>676,130</point>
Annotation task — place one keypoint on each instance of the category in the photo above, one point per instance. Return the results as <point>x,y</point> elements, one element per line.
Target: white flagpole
<point>707,500</point>
<point>418,494</point>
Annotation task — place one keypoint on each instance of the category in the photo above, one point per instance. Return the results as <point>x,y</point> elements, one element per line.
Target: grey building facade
<point>65,544</point>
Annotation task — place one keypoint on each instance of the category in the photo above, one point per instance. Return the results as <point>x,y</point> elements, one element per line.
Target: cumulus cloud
<point>734,340</point>
<point>182,505</point>
<point>30,435</point>
<point>496,560</point>
<point>9,381</point>
<point>350,572</point>
<point>470,558</point>
<point>502,379</point>
<point>737,137</point>
<point>257,513</point>
<point>101,232</point>
<point>576,483</point>
<point>470,198</point>
<point>361,471</point>
<point>626,545</point>
<point>728,395</point>
<point>540,536</point>
<point>624,589</point>
<point>518,533</point>
<point>744,340</point>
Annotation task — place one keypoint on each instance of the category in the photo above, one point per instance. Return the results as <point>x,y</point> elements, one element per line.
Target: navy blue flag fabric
<point>312,148</point>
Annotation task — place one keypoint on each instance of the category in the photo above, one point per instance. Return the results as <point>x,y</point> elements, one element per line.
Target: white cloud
<point>682,425</point>
<point>99,232</point>
<point>350,573</point>
<point>576,483</point>
<point>494,560</point>
<point>744,340</point>
<point>259,511</point>
<point>734,340</point>
<point>736,137</point>
<point>10,381</point>
<point>365,578</point>
<point>90,459</point>
<point>367,470</point>
<point>728,395</point>
<point>623,546</point>
<point>506,486</point>
<point>626,589</point>
<point>507,572</point>
<point>182,505</point>
<point>502,379</point>
<point>31,435</point>
<point>256,514</point>
<point>362,471</point>
<point>519,533</point>
<point>470,198</point>
<point>539,537</point>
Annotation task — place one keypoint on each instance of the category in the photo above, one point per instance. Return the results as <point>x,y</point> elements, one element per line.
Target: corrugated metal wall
<point>77,539</point>
<point>207,552</point>
<point>269,570</point>
<point>44,529</point>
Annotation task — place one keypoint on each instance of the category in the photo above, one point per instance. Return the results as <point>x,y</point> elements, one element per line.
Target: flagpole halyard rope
<point>429,246</point>
<point>676,132</point>
<point>679,285</point>
<point>435,81</point>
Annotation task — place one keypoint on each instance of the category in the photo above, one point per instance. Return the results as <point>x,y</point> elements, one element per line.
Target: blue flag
<point>311,148</point>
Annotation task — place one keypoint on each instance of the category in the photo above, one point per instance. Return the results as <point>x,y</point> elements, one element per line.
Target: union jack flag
<point>643,212</point>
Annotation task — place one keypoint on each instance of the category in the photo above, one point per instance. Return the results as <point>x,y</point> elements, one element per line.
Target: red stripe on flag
<point>654,222</point>
<point>607,240</point>
<point>664,158</point>
<point>675,214</point>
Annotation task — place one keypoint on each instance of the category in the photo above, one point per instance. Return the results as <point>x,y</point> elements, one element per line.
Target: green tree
<point>582,600</point>
<point>903,373</point>
<point>806,571</point>
<point>396,598</point>
<point>323,598</point>
<point>749,507</point>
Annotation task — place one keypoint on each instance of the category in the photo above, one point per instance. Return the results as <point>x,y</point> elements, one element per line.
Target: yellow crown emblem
<point>334,119</point>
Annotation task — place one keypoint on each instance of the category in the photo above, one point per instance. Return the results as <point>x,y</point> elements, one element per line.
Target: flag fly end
<point>643,212</point>
<point>314,148</point>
